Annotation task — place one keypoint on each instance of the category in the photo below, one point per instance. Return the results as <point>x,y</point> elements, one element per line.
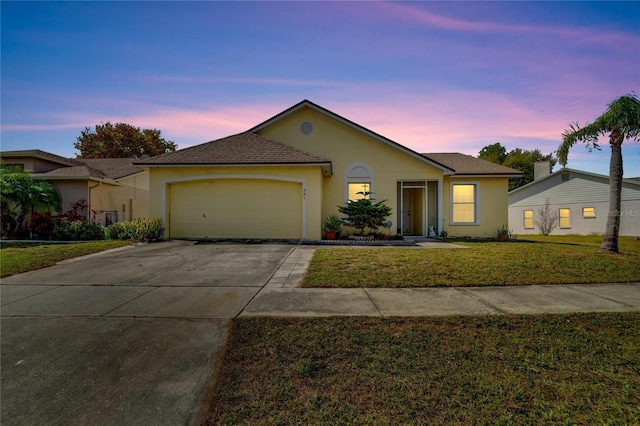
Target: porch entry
<point>417,208</point>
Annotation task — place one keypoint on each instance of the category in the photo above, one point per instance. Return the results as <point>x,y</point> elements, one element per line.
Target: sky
<point>433,76</point>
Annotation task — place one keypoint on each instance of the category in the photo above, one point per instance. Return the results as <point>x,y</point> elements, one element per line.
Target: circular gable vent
<point>306,128</point>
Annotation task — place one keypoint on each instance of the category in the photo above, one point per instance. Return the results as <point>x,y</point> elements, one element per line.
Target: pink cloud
<point>412,13</point>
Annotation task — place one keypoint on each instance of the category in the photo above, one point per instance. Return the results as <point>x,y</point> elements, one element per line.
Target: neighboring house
<point>113,188</point>
<point>580,200</point>
<point>282,177</point>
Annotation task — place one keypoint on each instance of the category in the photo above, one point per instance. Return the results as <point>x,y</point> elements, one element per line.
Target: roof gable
<point>243,148</point>
<point>333,116</point>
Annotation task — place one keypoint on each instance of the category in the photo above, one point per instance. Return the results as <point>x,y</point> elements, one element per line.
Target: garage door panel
<point>235,208</point>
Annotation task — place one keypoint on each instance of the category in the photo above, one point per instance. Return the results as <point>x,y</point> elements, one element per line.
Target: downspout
<point>89,201</point>
<point>440,218</point>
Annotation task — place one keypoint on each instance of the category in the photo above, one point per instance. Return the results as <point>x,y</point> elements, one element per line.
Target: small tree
<point>364,213</point>
<point>547,219</point>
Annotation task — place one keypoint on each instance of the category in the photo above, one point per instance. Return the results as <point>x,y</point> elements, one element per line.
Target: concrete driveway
<point>131,336</point>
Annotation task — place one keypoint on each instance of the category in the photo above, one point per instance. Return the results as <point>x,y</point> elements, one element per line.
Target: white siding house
<point>580,200</point>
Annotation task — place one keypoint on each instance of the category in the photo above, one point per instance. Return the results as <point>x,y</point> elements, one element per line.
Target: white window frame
<point>476,202</point>
<point>357,173</point>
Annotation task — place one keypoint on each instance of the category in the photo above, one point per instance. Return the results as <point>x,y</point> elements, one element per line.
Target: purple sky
<point>434,76</point>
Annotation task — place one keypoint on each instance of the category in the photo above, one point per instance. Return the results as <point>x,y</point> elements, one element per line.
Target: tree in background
<point>121,140</point>
<point>495,153</point>
<point>621,121</point>
<point>519,159</point>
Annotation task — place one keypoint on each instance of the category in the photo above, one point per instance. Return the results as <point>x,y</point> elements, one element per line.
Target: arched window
<point>358,182</point>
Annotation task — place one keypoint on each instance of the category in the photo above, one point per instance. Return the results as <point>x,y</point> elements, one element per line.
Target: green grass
<point>549,260</point>
<point>551,369</point>
<point>23,257</point>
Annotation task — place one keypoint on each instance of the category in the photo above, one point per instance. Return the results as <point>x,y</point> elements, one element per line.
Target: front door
<point>413,207</point>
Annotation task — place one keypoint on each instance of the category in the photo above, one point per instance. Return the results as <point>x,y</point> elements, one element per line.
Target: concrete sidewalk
<point>282,297</point>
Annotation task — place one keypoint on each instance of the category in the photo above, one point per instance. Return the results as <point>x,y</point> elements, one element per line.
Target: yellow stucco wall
<point>309,177</point>
<point>492,207</point>
<point>345,145</point>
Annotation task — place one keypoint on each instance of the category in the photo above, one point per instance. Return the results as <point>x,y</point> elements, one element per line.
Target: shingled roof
<point>464,164</point>
<point>36,153</point>
<point>113,168</point>
<point>243,148</point>
<point>75,172</point>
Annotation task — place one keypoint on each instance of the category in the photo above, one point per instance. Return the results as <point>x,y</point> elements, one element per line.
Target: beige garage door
<point>235,208</point>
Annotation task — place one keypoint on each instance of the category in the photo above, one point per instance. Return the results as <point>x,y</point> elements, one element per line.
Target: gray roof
<point>113,168</point>
<point>243,148</point>
<point>464,164</point>
<point>110,168</point>
<point>36,153</point>
<point>74,172</point>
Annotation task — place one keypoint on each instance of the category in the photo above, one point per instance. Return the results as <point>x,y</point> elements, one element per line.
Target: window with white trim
<point>464,203</point>
<point>588,212</point>
<point>565,218</point>
<point>358,182</point>
<point>528,219</point>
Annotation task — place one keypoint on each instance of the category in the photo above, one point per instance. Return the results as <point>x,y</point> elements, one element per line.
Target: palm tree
<point>21,196</point>
<point>621,121</point>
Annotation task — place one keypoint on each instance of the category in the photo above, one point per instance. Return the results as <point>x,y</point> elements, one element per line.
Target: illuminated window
<point>528,219</point>
<point>588,212</point>
<point>358,182</point>
<point>359,190</point>
<point>565,218</point>
<point>464,203</point>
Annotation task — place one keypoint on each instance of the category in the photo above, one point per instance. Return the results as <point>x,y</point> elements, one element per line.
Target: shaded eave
<point>325,166</point>
<point>85,178</point>
<point>308,104</point>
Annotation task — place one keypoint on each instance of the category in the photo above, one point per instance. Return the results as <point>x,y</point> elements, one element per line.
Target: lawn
<point>23,257</point>
<point>550,369</point>
<point>539,260</point>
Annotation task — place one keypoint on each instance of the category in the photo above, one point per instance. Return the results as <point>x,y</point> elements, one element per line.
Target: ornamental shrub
<point>364,213</point>
<point>142,229</point>
<point>77,230</point>
<point>42,225</point>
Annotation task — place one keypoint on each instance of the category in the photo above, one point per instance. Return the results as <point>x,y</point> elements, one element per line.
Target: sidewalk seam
<point>373,302</point>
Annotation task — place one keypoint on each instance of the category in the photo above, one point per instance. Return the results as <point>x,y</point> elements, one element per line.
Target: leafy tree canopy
<point>519,159</point>
<point>121,140</point>
<point>495,153</point>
